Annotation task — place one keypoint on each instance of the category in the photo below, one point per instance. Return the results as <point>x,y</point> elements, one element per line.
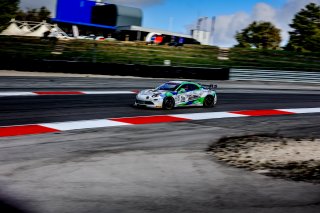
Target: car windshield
<point>168,86</point>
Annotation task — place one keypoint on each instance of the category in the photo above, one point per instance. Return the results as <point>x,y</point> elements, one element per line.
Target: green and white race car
<point>178,94</point>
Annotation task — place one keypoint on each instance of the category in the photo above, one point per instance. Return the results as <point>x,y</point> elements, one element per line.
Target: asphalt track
<point>145,168</point>
<point>57,108</point>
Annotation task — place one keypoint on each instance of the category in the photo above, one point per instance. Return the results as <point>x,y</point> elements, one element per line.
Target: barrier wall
<point>117,69</point>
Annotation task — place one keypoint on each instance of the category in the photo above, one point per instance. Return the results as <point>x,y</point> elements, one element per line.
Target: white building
<point>203,31</point>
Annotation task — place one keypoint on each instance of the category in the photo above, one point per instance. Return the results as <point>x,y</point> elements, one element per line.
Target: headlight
<point>155,95</point>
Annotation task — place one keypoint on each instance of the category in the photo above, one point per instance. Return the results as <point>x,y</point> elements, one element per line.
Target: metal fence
<point>275,75</point>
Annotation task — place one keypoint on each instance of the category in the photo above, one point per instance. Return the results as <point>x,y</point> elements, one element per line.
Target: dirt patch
<point>296,159</point>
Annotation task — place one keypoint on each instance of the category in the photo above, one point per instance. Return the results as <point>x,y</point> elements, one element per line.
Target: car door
<point>193,93</point>
<point>189,94</point>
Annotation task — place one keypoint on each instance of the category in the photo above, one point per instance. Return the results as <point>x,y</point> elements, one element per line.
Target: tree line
<point>10,9</point>
<point>305,34</point>
<point>37,15</point>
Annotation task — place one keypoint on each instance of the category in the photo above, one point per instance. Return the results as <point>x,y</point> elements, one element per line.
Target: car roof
<point>181,82</point>
<point>184,82</point>
<point>176,82</point>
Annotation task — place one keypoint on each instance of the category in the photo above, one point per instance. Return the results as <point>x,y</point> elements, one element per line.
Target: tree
<point>20,15</point>
<point>38,15</point>
<point>32,15</point>
<point>262,35</point>
<point>8,10</point>
<point>44,14</point>
<point>306,29</point>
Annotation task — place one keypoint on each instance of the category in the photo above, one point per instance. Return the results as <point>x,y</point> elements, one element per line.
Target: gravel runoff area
<point>296,159</point>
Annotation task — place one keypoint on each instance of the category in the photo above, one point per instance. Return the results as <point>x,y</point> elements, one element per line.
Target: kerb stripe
<point>29,129</point>
<point>43,93</point>
<point>302,110</point>
<point>59,93</point>
<point>208,115</point>
<point>268,112</point>
<point>149,119</point>
<point>24,130</point>
<point>86,124</point>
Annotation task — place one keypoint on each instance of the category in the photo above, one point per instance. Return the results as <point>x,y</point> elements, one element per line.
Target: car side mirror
<point>182,90</point>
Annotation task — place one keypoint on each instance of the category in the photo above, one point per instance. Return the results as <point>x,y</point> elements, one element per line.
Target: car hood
<point>152,92</point>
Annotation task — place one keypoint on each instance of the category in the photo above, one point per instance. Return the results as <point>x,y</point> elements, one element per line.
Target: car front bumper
<point>148,103</point>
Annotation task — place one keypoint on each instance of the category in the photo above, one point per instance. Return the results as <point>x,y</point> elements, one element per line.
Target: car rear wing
<point>210,86</point>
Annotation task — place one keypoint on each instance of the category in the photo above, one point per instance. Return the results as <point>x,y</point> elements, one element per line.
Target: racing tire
<point>210,101</point>
<point>168,103</point>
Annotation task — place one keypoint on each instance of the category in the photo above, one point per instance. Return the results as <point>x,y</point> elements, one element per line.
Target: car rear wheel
<point>168,103</point>
<point>210,101</point>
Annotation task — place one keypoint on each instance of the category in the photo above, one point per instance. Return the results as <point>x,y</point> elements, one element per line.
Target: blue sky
<point>183,12</point>
<point>231,15</point>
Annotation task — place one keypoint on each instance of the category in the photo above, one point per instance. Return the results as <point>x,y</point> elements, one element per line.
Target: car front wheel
<point>168,103</point>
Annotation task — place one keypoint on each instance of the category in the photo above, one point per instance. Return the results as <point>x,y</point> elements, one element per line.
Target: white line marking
<point>16,93</point>
<point>106,92</point>
<point>84,93</point>
<point>85,124</point>
<point>302,110</point>
<point>208,115</point>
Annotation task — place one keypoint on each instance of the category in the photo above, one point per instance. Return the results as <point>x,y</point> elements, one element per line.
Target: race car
<point>177,94</point>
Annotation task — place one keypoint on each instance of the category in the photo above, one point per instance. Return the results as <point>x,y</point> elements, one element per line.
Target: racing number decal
<point>192,94</point>
<point>187,97</point>
<point>181,98</point>
<point>193,97</point>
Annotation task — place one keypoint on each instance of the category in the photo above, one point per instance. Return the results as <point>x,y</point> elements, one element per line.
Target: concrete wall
<point>118,69</point>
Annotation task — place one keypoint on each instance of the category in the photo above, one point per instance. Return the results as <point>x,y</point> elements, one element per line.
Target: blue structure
<point>92,14</point>
<point>74,10</point>
<point>98,18</point>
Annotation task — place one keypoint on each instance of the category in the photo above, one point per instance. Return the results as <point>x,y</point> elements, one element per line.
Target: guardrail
<point>275,75</point>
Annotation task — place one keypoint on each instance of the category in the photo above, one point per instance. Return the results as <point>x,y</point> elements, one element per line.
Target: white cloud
<point>227,26</point>
<point>264,12</point>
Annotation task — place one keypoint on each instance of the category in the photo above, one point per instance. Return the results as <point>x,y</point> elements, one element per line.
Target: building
<point>203,31</point>
<point>84,17</point>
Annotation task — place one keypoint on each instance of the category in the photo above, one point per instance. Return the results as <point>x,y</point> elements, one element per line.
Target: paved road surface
<point>146,168</point>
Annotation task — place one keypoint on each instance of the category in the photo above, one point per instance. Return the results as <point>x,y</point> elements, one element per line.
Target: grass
<point>140,53</point>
